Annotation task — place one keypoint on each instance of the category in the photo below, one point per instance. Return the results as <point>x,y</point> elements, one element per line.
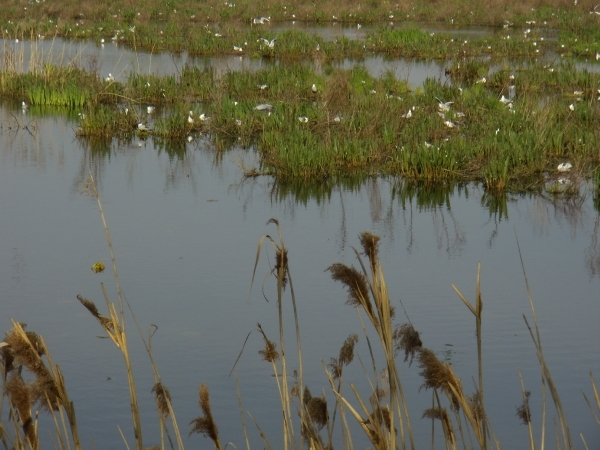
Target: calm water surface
<point>185,228</point>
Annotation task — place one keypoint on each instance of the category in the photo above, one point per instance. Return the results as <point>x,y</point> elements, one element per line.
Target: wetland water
<point>185,230</point>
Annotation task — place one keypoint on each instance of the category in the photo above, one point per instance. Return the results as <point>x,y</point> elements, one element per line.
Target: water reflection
<point>120,62</point>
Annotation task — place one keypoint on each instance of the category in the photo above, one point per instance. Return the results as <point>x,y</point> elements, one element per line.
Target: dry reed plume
<point>206,425</point>
<point>25,350</point>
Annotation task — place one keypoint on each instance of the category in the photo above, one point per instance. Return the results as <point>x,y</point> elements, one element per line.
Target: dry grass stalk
<point>442,415</point>
<point>596,398</point>
<point>546,376</point>
<point>283,277</point>
<point>206,425</point>
<point>477,312</point>
<point>115,325</point>
<point>378,308</point>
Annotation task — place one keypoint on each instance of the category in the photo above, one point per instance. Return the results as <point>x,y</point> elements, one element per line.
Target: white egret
<point>150,109</point>
<point>408,115</point>
<point>303,119</point>
<point>578,93</point>
<point>337,119</point>
<point>238,122</point>
<point>238,49</point>
<point>481,81</point>
<point>190,120</point>
<point>142,127</point>
<point>564,167</point>
<point>190,139</point>
<point>504,100</point>
<point>262,87</point>
<point>109,78</point>
<point>24,106</point>
<point>572,107</point>
<point>203,117</point>
<point>314,88</point>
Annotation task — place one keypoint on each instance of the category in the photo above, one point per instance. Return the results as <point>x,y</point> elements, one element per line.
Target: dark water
<point>185,229</point>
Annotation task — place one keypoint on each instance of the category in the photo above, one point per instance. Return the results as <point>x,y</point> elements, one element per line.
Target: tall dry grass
<point>308,421</point>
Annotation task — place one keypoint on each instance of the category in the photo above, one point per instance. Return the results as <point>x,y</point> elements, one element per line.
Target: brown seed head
<point>442,415</point>
<point>317,411</point>
<point>438,375</point>
<point>355,282</point>
<point>20,394</point>
<point>206,424</point>
<point>407,338</point>
<point>163,398</point>
<point>347,350</point>
<point>523,411</point>
<point>269,353</point>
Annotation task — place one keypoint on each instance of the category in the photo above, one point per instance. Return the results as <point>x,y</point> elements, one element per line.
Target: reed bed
<point>32,380</point>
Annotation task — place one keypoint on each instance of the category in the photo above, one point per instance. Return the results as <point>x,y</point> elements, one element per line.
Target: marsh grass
<point>354,123</point>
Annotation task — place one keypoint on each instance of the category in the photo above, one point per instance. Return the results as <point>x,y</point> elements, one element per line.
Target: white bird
<point>109,78</point>
<point>572,107</point>
<point>449,124</point>
<point>150,109</point>
<point>408,115</point>
<point>483,80</point>
<point>443,106</point>
<point>238,49</point>
<point>190,139</point>
<point>337,119</point>
<point>203,117</point>
<point>303,119</point>
<point>262,87</point>
<point>238,122</point>
<point>578,93</point>
<point>102,41</point>
<point>263,107</point>
<point>190,120</point>
<point>142,127</point>
<point>314,88</point>
<point>270,44</point>
<point>564,167</point>
<point>504,100</point>
<point>24,106</point>
<point>261,20</point>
